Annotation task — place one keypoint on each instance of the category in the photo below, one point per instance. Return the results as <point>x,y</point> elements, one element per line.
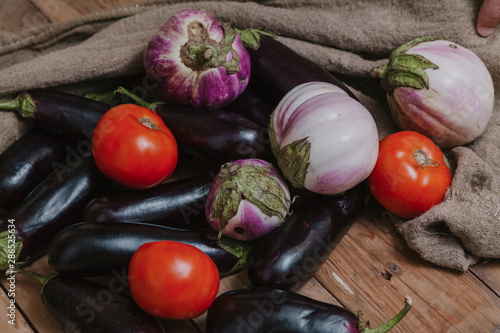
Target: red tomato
<point>410,175</point>
<point>173,280</point>
<point>133,146</point>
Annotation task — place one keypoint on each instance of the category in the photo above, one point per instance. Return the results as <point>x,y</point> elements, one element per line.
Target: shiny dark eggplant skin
<point>292,253</point>
<point>26,162</point>
<point>217,136</point>
<point>88,307</point>
<point>252,105</point>
<point>65,113</point>
<point>101,248</point>
<point>279,69</point>
<point>57,202</point>
<point>178,204</point>
<point>259,310</point>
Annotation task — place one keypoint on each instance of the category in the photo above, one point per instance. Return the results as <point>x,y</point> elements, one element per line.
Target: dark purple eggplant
<point>86,306</point>
<point>26,162</point>
<point>292,253</point>
<point>99,249</point>
<point>263,310</point>
<point>216,136</point>
<point>57,202</point>
<point>58,111</point>
<point>279,69</point>
<point>178,204</point>
<point>253,105</point>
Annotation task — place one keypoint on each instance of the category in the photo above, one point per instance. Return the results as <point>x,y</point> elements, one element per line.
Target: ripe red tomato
<point>173,280</point>
<point>133,146</point>
<point>410,175</point>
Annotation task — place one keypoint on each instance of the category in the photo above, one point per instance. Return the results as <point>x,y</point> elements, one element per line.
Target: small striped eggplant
<point>248,199</point>
<point>198,60</point>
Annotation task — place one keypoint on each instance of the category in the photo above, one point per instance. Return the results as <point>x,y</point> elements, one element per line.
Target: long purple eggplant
<point>178,204</point>
<point>99,249</point>
<point>274,311</point>
<point>217,136</point>
<point>58,111</point>
<point>57,202</point>
<point>278,69</point>
<point>292,253</point>
<point>26,162</point>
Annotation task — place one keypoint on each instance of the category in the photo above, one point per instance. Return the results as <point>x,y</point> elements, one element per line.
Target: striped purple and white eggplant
<point>439,89</point>
<point>324,140</point>
<point>198,60</point>
<point>247,200</point>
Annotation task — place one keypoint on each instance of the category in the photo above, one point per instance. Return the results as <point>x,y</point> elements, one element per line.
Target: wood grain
<point>386,270</point>
<point>18,322</point>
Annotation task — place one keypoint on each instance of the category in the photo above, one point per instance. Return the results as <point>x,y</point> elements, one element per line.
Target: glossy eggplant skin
<point>66,113</point>
<point>258,310</point>
<point>292,253</point>
<point>252,105</point>
<point>279,69</point>
<point>26,162</point>
<point>177,204</point>
<point>88,307</point>
<point>99,249</point>
<point>57,202</point>
<point>217,136</point>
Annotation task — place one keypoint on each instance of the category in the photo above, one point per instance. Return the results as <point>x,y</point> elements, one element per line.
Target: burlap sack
<point>347,37</point>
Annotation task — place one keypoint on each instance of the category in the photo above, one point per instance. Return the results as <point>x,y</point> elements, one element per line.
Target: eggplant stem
<point>40,278</point>
<point>391,323</point>
<point>240,249</point>
<point>137,100</point>
<point>12,105</point>
<point>23,104</point>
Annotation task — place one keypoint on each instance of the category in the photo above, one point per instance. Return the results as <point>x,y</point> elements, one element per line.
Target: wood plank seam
<point>20,310</point>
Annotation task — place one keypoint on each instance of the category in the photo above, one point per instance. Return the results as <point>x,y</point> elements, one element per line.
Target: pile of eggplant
<point>63,206</point>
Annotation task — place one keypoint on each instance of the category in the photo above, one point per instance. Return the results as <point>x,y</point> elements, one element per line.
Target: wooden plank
<point>29,299</point>
<point>11,322</point>
<point>64,10</point>
<point>18,15</point>
<point>488,271</point>
<point>386,270</point>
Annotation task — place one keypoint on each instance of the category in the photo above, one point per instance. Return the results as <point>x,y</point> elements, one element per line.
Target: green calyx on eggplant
<point>406,70</point>
<point>22,103</point>
<point>247,200</point>
<point>202,52</point>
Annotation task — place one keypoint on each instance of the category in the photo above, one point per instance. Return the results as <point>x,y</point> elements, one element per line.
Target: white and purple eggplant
<point>439,89</point>
<point>198,60</point>
<point>324,140</point>
<point>248,199</point>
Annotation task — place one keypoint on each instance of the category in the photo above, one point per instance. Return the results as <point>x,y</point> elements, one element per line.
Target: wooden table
<point>370,270</point>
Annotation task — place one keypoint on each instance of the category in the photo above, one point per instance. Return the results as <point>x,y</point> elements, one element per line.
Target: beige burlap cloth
<point>346,37</point>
